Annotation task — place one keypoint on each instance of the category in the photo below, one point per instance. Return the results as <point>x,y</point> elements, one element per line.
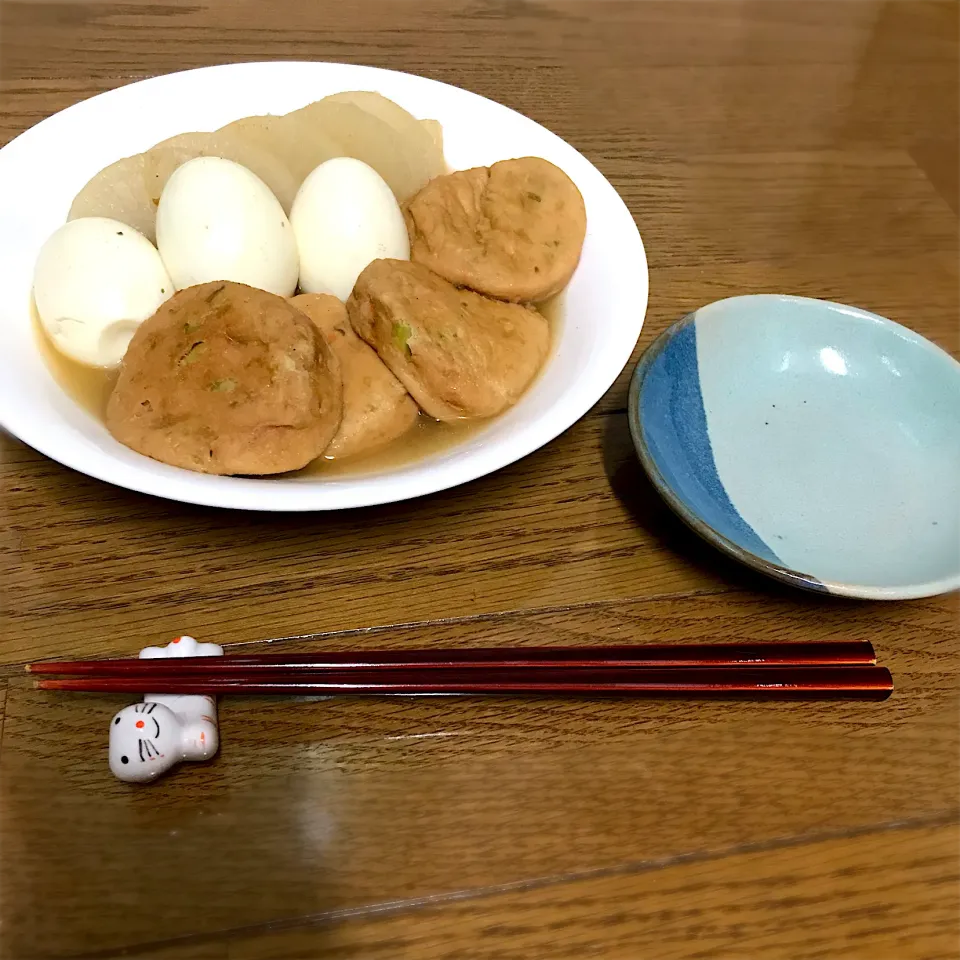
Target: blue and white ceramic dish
<point>815,442</point>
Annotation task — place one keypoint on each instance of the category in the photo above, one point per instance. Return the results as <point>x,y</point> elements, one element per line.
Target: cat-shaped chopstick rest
<point>147,739</point>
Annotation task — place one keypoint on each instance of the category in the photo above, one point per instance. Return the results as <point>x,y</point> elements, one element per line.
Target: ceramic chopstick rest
<point>147,739</point>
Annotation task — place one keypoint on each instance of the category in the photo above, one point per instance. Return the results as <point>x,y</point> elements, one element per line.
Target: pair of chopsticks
<point>780,671</point>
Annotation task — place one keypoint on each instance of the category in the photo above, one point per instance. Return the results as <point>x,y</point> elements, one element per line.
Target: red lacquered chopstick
<point>855,652</point>
<point>768,683</point>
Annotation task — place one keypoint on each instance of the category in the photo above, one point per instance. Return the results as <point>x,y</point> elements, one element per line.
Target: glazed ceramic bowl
<point>813,441</point>
<point>600,318</point>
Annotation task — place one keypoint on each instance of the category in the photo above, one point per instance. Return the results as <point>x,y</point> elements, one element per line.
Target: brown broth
<point>90,388</point>
<point>425,438</point>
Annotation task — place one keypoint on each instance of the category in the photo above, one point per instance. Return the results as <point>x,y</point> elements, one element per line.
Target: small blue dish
<point>815,442</point>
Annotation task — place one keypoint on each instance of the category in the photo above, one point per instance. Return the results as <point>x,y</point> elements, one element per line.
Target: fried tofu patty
<point>512,231</point>
<point>227,379</point>
<point>376,406</point>
<point>459,354</point>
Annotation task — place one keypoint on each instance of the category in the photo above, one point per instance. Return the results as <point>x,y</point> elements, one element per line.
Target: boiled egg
<point>95,281</point>
<point>344,215</point>
<point>217,220</point>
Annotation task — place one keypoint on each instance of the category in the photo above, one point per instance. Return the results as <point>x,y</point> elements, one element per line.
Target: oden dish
<point>591,339</point>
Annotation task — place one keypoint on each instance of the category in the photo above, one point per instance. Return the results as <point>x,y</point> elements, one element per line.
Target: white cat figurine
<point>147,739</point>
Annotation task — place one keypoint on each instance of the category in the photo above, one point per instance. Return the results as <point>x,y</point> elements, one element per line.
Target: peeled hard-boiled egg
<point>96,280</point>
<point>344,216</point>
<point>219,221</point>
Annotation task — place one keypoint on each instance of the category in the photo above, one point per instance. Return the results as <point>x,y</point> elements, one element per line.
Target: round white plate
<point>603,312</point>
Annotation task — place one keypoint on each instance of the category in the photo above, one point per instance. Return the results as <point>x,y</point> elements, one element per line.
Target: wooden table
<point>794,147</point>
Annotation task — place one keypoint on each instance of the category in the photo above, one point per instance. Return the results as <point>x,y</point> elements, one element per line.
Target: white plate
<point>45,167</point>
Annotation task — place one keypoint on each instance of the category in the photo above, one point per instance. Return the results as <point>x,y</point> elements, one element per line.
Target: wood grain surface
<point>768,904</point>
<point>803,147</point>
